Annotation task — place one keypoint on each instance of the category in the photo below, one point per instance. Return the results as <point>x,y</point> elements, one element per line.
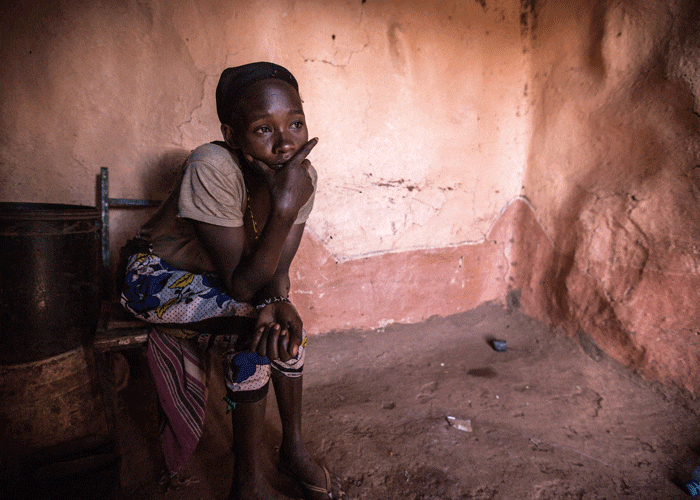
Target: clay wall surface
<point>418,106</point>
<point>614,174</point>
<point>543,153</point>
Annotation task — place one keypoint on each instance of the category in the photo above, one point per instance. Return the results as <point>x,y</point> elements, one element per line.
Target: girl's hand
<point>278,332</point>
<point>290,186</point>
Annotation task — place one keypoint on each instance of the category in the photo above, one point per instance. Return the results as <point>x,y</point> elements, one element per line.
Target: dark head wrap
<point>234,81</point>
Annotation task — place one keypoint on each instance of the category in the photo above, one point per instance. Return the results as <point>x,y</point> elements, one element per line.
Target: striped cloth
<point>180,377</point>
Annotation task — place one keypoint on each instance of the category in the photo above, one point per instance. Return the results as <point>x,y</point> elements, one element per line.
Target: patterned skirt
<point>170,299</point>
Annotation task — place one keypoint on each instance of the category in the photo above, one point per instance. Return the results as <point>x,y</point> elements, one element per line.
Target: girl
<point>210,270</point>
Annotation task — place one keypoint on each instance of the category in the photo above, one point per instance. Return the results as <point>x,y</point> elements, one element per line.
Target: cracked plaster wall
<point>432,117</point>
<point>418,105</point>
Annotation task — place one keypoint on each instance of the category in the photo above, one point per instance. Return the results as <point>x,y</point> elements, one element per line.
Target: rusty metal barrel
<point>56,437</point>
<point>49,279</point>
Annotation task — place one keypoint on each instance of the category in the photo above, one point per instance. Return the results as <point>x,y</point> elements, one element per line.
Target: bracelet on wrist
<point>271,300</point>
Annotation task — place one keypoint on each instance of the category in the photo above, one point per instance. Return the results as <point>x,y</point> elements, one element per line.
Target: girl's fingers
<point>272,339</point>
<point>303,152</point>
<point>256,338</point>
<point>262,342</point>
<point>294,350</point>
<point>284,345</point>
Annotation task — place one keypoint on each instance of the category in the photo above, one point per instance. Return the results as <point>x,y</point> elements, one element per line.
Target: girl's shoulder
<point>216,155</point>
<point>214,166</point>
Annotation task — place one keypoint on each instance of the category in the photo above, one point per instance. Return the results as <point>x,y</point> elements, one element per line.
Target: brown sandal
<point>312,489</point>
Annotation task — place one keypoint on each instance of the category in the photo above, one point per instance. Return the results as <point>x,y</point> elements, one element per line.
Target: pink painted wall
<point>469,151</point>
<point>419,107</point>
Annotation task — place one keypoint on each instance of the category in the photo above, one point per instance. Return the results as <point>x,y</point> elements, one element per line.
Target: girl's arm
<point>244,278</point>
<point>279,285</point>
<point>278,332</point>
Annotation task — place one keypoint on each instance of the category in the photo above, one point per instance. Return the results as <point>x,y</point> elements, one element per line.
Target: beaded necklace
<point>252,217</point>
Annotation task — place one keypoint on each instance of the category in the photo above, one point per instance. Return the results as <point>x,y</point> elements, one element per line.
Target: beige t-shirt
<point>211,189</point>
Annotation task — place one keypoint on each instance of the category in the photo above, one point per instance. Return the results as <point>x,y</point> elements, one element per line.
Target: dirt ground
<point>549,419</point>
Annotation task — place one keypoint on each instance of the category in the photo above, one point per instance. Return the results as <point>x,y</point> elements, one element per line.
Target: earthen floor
<point>549,420</point>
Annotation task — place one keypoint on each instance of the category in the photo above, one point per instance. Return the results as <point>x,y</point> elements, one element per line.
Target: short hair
<point>234,81</point>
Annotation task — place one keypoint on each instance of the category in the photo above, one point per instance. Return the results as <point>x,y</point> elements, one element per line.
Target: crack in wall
<point>191,115</point>
<point>335,64</point>
<point>528,18</point>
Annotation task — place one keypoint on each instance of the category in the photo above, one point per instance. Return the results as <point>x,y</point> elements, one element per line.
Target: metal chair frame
<point>105,203</point>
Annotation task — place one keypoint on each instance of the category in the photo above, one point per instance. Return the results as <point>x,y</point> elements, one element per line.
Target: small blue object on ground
<point>499,345</point>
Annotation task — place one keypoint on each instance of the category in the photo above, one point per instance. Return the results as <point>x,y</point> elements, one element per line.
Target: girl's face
<point>272,123</point>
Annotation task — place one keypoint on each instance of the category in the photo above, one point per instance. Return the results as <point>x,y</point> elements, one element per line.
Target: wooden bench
<point>116,333</point>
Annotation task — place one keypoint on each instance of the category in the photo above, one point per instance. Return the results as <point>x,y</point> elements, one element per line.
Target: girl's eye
<point>297,124</point>
<point>262,130</point>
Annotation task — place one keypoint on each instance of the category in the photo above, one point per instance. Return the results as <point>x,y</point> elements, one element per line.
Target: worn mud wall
<point>614,174</point>
<point>418,106</point>
<point>543,153</point>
